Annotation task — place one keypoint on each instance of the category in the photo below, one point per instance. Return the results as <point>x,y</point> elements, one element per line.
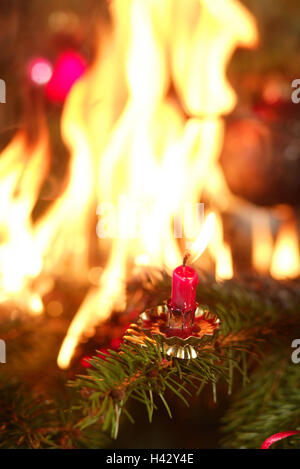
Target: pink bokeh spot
<point>40,71</point>
<point>69,67</point>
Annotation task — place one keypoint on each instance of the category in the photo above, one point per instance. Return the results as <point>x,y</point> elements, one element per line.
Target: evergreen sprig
<point>30,420</point>
<point>255,336</point>
<point>270,404</point>
<point>146,374</point>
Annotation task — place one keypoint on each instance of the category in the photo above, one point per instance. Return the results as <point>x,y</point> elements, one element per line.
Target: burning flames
<point>280,258</point>
<point>22,168</point>
<point>285,260</point>
<point>262,242</point>
<point>144,123</point>
<point>151,151</point>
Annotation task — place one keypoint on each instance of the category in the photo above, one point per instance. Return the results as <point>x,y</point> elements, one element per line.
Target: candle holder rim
<point>160,312</point>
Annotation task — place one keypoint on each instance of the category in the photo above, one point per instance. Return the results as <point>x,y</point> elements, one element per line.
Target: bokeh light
<point>69,67</point>
<point>40,71</point>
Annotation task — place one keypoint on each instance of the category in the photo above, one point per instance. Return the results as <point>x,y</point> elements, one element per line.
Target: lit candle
<point>185,281</point>
<point>183,300</point>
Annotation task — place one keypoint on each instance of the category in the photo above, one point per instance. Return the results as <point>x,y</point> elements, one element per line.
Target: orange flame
<point>21,179</point>
<point>221,252</point>
<point>262,242</point>
<point>151,152</point>
<point>62,234</point>
<point>286,256</point>
<point>202,240</point>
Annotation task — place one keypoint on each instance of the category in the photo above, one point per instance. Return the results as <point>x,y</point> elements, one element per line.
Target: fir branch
<point>140,374</point>
<point>33,421</point>
<point>270,404</point>
<point>249,323</point>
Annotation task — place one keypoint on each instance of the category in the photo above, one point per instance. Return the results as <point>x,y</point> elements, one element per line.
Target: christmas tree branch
<point>270,404</point>
<point>32,420</point>
<point>146,373</point>
<point>254,326</point>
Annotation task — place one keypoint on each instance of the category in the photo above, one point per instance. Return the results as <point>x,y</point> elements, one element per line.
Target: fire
<point>221,252</point>
<point>62,235</point>
<point>202,240</point>
<point>143,124</point>
<point>262,242</point>
<point>286,256</point>
<point>22,168</point>
<point>153,152</point>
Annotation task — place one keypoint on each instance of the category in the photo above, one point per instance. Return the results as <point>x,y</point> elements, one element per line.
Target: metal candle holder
<point>177,339</point>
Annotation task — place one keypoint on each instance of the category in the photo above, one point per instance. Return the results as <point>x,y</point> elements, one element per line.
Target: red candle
<point>185,281</point>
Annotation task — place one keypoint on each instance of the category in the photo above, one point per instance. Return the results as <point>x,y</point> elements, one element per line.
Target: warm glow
<point>22,167</point>
<point>63,233</point>
<point>40,71</point>
<point>286,256</point>
<point>142,259</point>
<point>153,154</point>
<point>262,242</point>
<point>201,242</point>
<point>224,268</point>
<point>221,252</point>
<point>150,151</point>
<point>144,124</point>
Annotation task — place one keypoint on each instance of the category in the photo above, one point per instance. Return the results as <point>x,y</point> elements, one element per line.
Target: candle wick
<point>185,258</point>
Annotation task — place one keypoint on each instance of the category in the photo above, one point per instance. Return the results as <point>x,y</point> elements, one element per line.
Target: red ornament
<point>69,67</point>
<point>276,437</point>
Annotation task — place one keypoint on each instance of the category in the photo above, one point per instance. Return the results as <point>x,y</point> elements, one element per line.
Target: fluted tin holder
<point>179,334</point>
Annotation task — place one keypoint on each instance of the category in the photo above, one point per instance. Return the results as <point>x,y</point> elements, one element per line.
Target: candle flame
<point>202,240</point>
